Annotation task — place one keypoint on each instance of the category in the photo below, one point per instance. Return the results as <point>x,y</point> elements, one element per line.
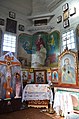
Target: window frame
<point>63,47</point>
<point>10,45</point>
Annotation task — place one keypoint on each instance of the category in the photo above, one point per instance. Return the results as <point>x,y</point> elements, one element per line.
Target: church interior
<point>39,59</point>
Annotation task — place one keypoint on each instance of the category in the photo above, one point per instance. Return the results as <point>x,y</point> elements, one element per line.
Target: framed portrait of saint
<point>67,70</point>
<point>24,75</point>
<point>40,76</point>
<point>54,75</point>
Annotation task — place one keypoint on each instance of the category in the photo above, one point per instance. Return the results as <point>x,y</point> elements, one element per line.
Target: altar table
<point>37,95</point>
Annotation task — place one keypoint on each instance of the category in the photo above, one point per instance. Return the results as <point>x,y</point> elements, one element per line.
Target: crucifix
<point>66,43</point>
<point>8,62</point>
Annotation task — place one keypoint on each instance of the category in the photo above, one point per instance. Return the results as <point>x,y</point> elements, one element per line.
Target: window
<point>68,40</point>
<point>9,43</point>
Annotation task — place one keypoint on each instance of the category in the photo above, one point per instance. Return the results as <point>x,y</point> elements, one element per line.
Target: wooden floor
<point>30,113</point>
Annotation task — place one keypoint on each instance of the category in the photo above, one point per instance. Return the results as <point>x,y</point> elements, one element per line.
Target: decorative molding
<point>54,4</point>
<point>40,16</point>
<point>40,28</point>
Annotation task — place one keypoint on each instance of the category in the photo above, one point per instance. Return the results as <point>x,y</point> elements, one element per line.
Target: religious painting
<point>54,73</point>
<point>40,76</point>
<point>67,70</point>
<point>11,26</point>
<point>24,50</point>
<point>48,75</point>
<point>24,75</point>
<point>31,76</point>
<point>39,50</point>
<point>53,49</point>
<point>12,14</point>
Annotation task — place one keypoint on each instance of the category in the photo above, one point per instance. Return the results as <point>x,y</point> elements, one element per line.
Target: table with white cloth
<point>63,102</point>
<point>66,100</point>
<point>37,95</point>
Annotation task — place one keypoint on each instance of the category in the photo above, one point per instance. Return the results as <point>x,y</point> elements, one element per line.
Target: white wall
<point>25,8</point>
<point>40,8</point>
<point>21,8</point>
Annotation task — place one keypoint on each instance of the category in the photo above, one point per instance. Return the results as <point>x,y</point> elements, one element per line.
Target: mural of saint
<point>41,55</point>
<point>38,58</point>
<point>52,45</point>
<point>39,41</point>
<point>53,49</point>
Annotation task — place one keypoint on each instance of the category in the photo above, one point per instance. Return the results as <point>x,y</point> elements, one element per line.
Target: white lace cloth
<point>37,92</point>
<point>63,102</point>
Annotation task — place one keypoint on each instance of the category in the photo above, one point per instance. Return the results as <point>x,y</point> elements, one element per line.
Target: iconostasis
<point>40,52</point>
<point>39,76</point>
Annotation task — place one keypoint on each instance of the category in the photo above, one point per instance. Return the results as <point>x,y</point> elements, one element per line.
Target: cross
<point>8,62</point>
<point>66,43</point>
